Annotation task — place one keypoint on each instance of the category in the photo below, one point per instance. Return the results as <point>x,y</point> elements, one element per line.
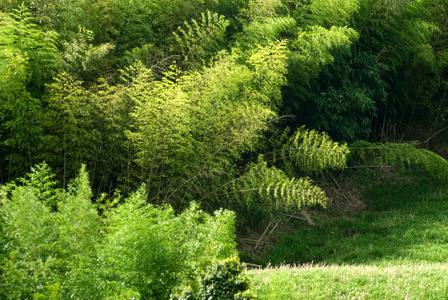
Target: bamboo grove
<point>170,105</point>
<point>214,101</point>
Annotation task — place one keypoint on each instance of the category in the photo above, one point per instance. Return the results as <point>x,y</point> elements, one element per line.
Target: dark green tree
<point>345,98</point>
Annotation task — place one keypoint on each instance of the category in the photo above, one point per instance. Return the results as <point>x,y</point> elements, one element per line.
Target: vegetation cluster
<point>195,120</point>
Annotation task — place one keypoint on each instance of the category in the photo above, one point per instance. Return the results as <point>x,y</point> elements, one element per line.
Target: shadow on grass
<point>405,219</point>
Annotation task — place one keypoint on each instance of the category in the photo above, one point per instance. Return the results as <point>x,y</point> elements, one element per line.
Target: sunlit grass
<point>414,281</point>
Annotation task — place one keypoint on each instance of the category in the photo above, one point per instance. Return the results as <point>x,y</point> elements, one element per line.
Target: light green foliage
<point>402,157</point>
<point>86,126</point>
<point>193,128</point>
<point>312,152</point>
<point>153,251</point>
<point>48,251</point>
<point>28,58</point>
<point>202,39</point>
<point>142,250</point>
<point>273,190</point>
<point>14,68</point>
<point>264,31</point>
<point>35,47</point>
<point>44,186</point>
<point>161,134</point>
<point>314,46</point>
<point>55,246</point>
<point>270,68</point>
<point>70,118</point>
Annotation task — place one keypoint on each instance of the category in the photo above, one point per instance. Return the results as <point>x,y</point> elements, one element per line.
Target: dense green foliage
<point>55,245</point>
<point>236,104</point>
<point>28,58</point>
<point>172,93</point>
<point>221,280</point>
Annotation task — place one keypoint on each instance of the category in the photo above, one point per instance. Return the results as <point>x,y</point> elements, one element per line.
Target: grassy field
<point>395,248</point>
<point>409,281</point>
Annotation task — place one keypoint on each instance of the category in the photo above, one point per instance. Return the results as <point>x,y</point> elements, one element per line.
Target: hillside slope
<point>395,248</point>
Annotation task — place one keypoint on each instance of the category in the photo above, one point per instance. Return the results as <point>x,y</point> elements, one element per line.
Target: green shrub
<point>220,280</point>
<point>50,238</point>
<point>54,245</point>
<point>401,156</point>
<point>223,280</point>
<point>154,251</point>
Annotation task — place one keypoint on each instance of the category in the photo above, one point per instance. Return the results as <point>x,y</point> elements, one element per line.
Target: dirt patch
<point>343,197</point>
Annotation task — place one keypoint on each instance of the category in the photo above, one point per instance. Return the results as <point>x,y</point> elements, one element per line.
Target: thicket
<point>225,103</point>
<point>79,80</point>
<point>59,244</point>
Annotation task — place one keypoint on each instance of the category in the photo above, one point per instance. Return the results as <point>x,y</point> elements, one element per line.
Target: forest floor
<point>382,236</point>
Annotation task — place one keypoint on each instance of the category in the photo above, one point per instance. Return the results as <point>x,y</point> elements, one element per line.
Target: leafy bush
<point>55,245</point>
<point>51,239</point>
<point>401,157</point>
<point>153,250</point>
<point>221,280</point>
